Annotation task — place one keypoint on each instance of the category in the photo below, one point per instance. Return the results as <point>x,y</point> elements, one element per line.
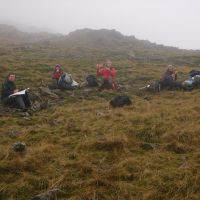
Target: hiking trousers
<point>106,84</point>
<point>19,101</point>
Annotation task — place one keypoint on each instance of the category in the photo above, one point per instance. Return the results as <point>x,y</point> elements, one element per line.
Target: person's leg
<point>68,86</point>
<point>27,100</point>
<point>102,86</point>
<point>9,101</point>
<point>165,84</point>
<point>20,102</point>
<point>106,84</point>
<point>177,85</point>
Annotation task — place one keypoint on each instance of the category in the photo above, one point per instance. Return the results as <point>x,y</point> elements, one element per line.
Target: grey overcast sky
<point>168,22</point>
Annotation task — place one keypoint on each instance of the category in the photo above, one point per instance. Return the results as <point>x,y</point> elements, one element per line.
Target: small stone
<point>19,147</point>
<point>147,146</point>
<point>100,114</point>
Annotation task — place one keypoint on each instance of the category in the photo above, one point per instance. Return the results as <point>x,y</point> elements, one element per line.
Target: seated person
<point>19,101</point>
<point>169,78</point>
<point>57,73</point>
<point>108,74</point>
<point>170,74</point>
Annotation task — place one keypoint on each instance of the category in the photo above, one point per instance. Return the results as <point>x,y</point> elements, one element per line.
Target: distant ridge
<point>89,43</point>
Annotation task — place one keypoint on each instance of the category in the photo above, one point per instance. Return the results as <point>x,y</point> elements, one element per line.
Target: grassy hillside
<point>146,151</point>
<point>91,151</point>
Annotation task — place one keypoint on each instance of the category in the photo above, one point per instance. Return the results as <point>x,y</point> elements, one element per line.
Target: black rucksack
<point>120,101</point>
<point>193,73</point>
<point>91,81</point>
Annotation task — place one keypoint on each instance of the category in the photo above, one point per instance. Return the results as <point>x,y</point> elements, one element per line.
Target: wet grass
<point>92,151</point>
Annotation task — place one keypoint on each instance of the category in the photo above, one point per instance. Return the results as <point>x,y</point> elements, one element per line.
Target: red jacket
<point>105,72</point>
<point>108,74</point>
<point>57,73</point>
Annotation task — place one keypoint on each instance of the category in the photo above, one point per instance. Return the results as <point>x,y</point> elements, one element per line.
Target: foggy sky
<point>168,22</point>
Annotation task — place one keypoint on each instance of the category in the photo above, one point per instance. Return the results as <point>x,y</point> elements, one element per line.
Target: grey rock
<point>19,147</point>
<point>100,114</point>
<point>47,91</point>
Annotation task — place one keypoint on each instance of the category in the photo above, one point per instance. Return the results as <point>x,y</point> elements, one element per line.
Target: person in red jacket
<point>108,74</point>
<point>57,72</point>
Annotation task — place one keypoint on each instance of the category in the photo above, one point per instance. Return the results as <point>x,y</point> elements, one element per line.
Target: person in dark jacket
<point>19,101</point>
<point>169,79</point>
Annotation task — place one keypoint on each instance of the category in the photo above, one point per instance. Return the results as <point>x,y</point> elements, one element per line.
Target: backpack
<point>66,78</point>
<point>188,84</point>
<point>193,73</point>
<point>120,101</point>
<point>91,81</point>
<point>65,81</point>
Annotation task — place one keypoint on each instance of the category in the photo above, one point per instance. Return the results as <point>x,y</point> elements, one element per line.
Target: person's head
<point>101,65</point>
<point>108,63</point>
<point>57,67</point>
<point>170,68</point>
<point>11,77</point>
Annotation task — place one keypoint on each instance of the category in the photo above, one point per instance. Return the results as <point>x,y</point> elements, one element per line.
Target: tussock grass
<point>92,151</point>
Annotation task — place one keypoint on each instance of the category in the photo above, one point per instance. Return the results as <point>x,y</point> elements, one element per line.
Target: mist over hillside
<point>100,44</point>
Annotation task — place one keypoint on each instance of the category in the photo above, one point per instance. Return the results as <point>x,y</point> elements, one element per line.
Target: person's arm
<point>98,70</point>
<point>175,75</point>
<point>8,90</point>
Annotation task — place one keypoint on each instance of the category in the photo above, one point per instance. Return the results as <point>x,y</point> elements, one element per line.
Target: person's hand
<point>16,91</point>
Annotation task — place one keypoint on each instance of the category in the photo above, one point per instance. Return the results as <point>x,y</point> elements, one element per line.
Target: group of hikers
<point>10,95</point>
<point>63,80</point>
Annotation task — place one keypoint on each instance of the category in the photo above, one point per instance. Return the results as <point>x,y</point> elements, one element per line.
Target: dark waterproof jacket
<point>8,88</point>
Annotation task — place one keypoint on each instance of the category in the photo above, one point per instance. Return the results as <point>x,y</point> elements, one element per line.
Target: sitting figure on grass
<point>169,79</point>
<point>108,74</point>
<point>63,80</point>
<point>11,96</point>
<point>57,73</point>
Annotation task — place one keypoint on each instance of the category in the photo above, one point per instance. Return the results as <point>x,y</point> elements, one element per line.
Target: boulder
<point>46,91</point>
